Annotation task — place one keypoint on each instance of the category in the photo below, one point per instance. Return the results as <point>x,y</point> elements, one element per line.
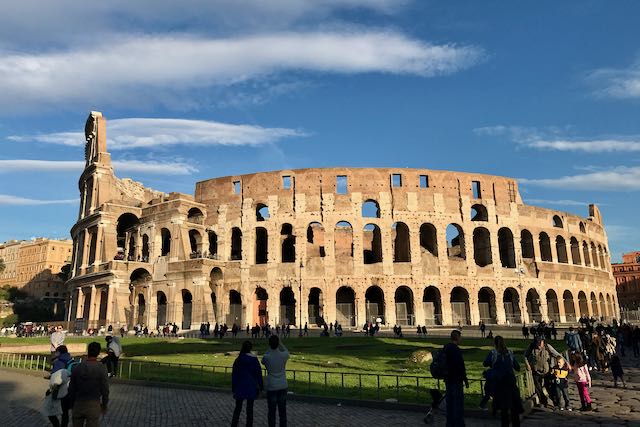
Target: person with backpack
<point>506,397</point>
<point>57,401</point>
<point>454,376</point>
<point>275,360</point>
<point>538,361</point>
<point>246,382</point>
<point>114,349</point>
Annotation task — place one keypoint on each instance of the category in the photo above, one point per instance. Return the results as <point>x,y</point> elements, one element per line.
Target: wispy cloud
<point>142,132</point>
<point>553,140</point>
<point>616,82</point>
<point>127,166</point>
<point>6,199</point>
<point>620,178</point>
<point>561,202</point>
<point>130,68</point>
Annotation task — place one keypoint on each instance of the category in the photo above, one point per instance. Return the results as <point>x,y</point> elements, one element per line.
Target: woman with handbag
<point>246,382</point>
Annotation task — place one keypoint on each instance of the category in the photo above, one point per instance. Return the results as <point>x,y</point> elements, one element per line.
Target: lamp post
<point>520,272</point>
<point>300,300</point>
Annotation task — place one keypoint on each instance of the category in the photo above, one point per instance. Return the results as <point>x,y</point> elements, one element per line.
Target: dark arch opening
<point>345,306</point>
<point>372,244</point>
<point>287,306</point>
<point>236,244</point>
<point>161,318</point>
<point>432,306</point>
<point>553,309</point>
<point>506,248</point>
<point>557,221</point>
<point>460,311</point>
<point>405,312</point>
<point>482,247</point>
<point>455,241</point>
<point>545,247</point>
<point>511,301</point>
<point>401,243</point>
<point>429,239</point>
<point>479,213</point>
<point>526,244</point>
<point>316,307</point>
<point>487,305</point>
<point>561,250</point>
<point>235,308</point>
<point>213,244</point>
<point>374,299</point>
<point>569,306</point>
<point>165,235</point>
<point>288,245</point>
<point>575,251</point>
<point>187,309</point>
<point>315,240</point>
<point>370,209</point>
<point>262,245</point>
<point>262,212</point>
<point>533,306</point>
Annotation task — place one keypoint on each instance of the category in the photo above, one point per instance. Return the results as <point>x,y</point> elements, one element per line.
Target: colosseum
<point>408,246</point>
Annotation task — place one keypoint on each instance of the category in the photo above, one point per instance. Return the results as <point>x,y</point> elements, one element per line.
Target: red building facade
<point>627,275</point>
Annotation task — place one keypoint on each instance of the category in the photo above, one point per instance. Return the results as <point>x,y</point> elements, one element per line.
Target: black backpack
<point>438,365</point>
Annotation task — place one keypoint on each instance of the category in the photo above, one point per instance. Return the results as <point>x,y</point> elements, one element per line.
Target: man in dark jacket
<point>456,376</point>
<point>246,382</point>
<point>89,388</point>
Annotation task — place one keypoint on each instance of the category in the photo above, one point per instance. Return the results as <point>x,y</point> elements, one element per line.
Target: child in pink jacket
<point>582,378</point>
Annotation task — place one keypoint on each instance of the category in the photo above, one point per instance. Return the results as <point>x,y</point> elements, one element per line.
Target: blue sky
<point>547,92</point>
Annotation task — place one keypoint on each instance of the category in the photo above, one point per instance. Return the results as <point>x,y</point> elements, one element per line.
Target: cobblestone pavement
<point>135,405</point>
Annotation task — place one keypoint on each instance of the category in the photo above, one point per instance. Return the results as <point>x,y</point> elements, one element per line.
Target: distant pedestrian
<point>114,350</point>
<point>57,338</point>
<point>89,389</point>
<point>616,370</point>
<point>246,382</point>
<point>306,329</point>
<point>275,360</point>
<point>455,376</point>
<point>525,332</point>
<point>483,329</point>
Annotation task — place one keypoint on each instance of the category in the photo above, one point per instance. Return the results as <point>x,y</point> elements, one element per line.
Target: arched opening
<point>235,308</point>
<point>511,301</point>
<point>165,235</point>
<point>460,310</point>
<point>131,249</point>
<point>213,244</point>
<point>553,309</point>
<point>428,239</point>
<point>145,248</point>
<point>315,240</point>
<point>575,251</point>
<point>526,244</point>
<point>603,307</point>
<point>533,306</point>
<point>594,256</point>
<point>142,308</point>
<point>569,306</point>
<point>216,277</point>
<point>561,249</point>
<point>345,306</point>
<point>86,304</point>
<point>195,215</point>
<point>594,305</point>
<point>287,306</point>
<point>343,240</point>
<point>487,305</point>
<point>455,241</point>
<point>557,221</point>
<point>214,306</point>
<point>104,302</point>
<point>545,247</point>
<point>236,244</point>
<point>374,298</point>
<point>482,247</point>
<point>601,257</point>
<point>479,213</point>
<point>316,307</point>
<point>583,229</point>
<point>370,209</point>
<point>405,312</point>
<point>585,254</point>
<point>161,316</point>
<point>610,310</point>
<point>126,229</point>
<point>260,306</point>
<point>506,248</point>
<point>583,304</point>
<point>187,309</point>
<point>371,244</point>
<point>195,243</point>
<point>432,306</point>
<point>262,245</point>
<point>262,212</point>
<point>401,242</point>
<point>287,243</point>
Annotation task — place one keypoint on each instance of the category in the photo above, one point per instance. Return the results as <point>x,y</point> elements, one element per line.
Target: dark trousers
<point>538,382</point>
<point>112,363</point>
<point>455,405</point>
<point>562,393</point>
<point>636,349</point>
<point>277,398</point>
<point>66,404</point>
<point>238,409</point>
<point>86,413</point>
<point>507,415</point>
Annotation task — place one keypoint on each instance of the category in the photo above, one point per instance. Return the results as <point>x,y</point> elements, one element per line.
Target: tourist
<point>424,331</point>
<point>572,340</point>
<point>57,401</point>
<point>246,382</point>
<point>554,331</point>
<point>582,378</point>
<point>483,329</point>
<point>57,338</point>
<point>506,396</point>
<point>560,375</point>
<point>616,370</point>
<point>89,389</point>
<point>635,341</point>
<point>275,360</point>
<point>114,349</point>
<point>525,332</point>
<point>456,375</point>
<point>306,329</point>
<point>538,361</point>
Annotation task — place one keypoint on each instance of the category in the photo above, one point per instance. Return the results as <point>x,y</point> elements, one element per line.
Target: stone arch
<point>345,306</point>
<point>569,306</point>
<point>526,244</point>
<point>262,245</point>
<point>343,240</point>
<point>487,305</point>
<point>556,221</point>
<point>583,229</point>
<point>236,244</point>
<point>561,250</point>
<point>195,243</point>
<point>583,304</point>
<point>601,258</point>
<point>141,309</point>
<point>370,209</point>
<point>553,307</point>
<point>103,305</point>
<point>603,307</point>
<point>533,305</point>
<point>375,307</point>
<point>371,244</point>
<point>262,212</point>
<point>482,246</point>
<point>511,301</point>
<point>545,247</point>
<point>455,241</point>
<point>161,314</point>
<point>145,248</point>
<point>260,306</point>
<point>506,248</point>
<point>125,229</point>
<point>315,240</point>
<point>401,242</point>
<point>187,309</point>
<point>214,305</point>
<point>460,308</point>
<point>195,215</point>
<point>287,243</point>
<point>235,308</point>
<point>585,253</point>
<point>287,306</point>
<point>429,239</point>
<point>316,306</point>
<point>165,235</point>
<point>575,251</point>
<point>432,306</point>
<point>213,244</point>
<point>405,310</point>
<point>610,308</point>
<point>479,213</point>
<point>216,277</point>
<point>594,305</point>
<point>594,256</point>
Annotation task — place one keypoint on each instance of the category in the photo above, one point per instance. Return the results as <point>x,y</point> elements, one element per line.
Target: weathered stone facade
<point>410,246</point>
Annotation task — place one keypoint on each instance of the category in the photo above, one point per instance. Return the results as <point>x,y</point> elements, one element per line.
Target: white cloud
<point>617,82</point>
<point>561,202</point>
<point>139,69</point>
<point>548,139</point>
<point>125,166</point>
<point>143,132</point>
<point>6,199</point>
<point>620,178</point>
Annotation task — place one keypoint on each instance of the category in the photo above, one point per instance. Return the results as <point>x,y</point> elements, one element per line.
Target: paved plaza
<point>136,405</point>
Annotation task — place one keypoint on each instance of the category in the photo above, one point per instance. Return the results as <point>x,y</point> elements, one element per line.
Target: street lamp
<point>520,272</point>
<point>300,300</point>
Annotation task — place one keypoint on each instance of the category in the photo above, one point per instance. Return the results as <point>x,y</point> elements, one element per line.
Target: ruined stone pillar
<point>94,305</point>
<point>544,307</point>
<point>501,315</point>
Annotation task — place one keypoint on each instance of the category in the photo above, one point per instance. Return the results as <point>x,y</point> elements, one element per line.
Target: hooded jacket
<point>246,377</point>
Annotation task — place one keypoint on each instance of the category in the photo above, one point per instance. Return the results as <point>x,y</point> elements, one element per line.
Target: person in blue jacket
<point>246,382</point>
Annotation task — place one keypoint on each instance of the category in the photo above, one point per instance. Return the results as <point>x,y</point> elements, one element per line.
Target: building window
<point>236,187</point>
<point>396,180</point>
<point>286,182</point>
<point>341,184</point>
<point>424,181</point>
<point>476,190</point>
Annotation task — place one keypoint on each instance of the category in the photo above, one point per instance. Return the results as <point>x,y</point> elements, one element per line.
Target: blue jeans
<point>455,405</point>
<point>277,398</point>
